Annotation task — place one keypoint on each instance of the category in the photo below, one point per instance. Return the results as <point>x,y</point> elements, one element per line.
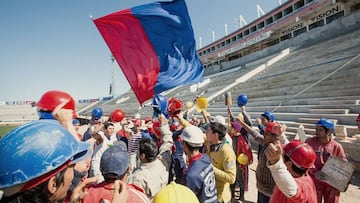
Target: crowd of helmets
<point>36,153</point>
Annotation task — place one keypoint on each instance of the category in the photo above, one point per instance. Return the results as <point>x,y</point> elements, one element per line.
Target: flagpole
<point>113,76</point>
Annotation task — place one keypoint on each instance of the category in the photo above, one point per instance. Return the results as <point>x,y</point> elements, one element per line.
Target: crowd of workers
<point>172,157</point>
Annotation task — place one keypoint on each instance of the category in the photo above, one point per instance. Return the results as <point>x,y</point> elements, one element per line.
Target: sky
<point>54,45</point>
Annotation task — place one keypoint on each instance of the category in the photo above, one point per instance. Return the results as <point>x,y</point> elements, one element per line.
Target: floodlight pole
<point>260,11</point>
<point>226,30</point>
<point>200,42</point>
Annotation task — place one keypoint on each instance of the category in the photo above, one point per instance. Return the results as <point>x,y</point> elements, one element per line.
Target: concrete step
<point>308,125</point>
<point>292,129</point>
<point>291,89</point>
<point>340,102</point>
<point>314,120</point>
<point>353,108</point>
<point>343,119</point>
<point>278,98</point>
<point>350,130</point>
<point>264,106</point>
<point>309,131</point>
<point>290,135</point>
<point>290,124</point>
<point>291,109</point>
<point>327,111</point>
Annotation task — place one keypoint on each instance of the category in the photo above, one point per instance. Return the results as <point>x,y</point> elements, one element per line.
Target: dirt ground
<point>352,195</point>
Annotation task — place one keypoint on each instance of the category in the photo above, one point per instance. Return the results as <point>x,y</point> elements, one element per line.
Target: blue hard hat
<point>35,149</point>
<point>325,123</point>
<point>242,100</point>
<point>159,103</point>
<point>97,113</point>
<point>75,122</point>
<point>45,115</point>
<point>269,116</point>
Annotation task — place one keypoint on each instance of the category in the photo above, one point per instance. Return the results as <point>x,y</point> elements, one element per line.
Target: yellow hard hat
<point>242,159</point>
<point>240,117</point>
<point>201,104</point>
<point>175,193</point>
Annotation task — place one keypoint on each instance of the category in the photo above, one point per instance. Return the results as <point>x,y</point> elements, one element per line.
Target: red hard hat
<point>274,128</point>
<point>137,122</point>
<point>300,153</point>
<point>117,115</point>
<point>175,106</point>
<point>53,98</point>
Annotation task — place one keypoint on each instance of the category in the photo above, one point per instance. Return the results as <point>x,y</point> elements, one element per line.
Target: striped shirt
<point>264,180</point>
<point>134,143</point>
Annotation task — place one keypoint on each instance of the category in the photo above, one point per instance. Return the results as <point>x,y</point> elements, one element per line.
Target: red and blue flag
<point>154,45</point>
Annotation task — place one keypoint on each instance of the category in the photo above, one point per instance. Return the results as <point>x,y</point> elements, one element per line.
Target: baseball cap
<point>115,159</point>
<point>193,136</point>
<point>218,119</point>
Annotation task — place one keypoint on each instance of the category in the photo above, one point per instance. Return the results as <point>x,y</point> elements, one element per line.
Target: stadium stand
<point>17,114</point>
<point>302,78</point>
<point>317,77</point>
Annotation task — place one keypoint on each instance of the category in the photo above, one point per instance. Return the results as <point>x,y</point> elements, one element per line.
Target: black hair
<point>191,148</point>
<point>149,149</point>
<point>107,124</point>
<point>38,194</point>
<point>267,117</point>
<point>328,130</point>
<point>218,128</point>
<point>111,177</point>
<point>299,170</point>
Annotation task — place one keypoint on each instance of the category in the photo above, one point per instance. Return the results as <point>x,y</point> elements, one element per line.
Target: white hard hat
<point>193,136</point>
<point>218,119</point>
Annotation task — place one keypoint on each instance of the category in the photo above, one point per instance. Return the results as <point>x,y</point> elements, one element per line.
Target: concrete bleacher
<point>314,81</point>
<point>317,78</point>
<point>17,114</point>
<point>304,84</point>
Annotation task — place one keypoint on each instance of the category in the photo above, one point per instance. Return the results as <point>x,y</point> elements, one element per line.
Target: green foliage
<point>5,129</point>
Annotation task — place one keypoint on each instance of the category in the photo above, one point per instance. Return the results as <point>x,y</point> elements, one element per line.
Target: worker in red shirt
<point>289,169</point>
<point>325,146</point>
<point>114,165</point>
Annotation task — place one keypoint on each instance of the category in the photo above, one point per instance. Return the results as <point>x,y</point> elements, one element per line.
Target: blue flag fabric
<point>154,45</point>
